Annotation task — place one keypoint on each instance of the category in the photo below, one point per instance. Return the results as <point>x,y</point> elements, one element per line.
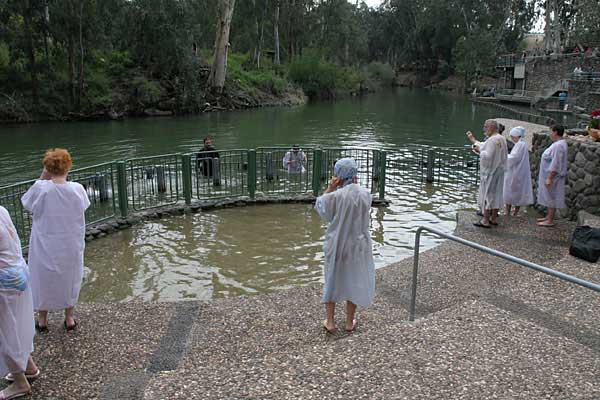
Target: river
<point>256,249</point>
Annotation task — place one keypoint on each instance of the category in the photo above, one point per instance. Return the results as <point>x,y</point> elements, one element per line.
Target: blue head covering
<point>518,131</point>
<point>346,169</point>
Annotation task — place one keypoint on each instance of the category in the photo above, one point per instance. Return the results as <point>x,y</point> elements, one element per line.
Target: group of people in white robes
<point>506,178</point>
<point>52,279</point>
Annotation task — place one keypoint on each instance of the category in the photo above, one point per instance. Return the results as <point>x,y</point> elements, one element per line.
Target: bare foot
<point>515,213</point>
<point>329,327</point>
<point>546,223</point>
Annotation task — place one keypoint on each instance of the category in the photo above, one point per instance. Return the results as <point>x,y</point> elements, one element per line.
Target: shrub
<point>384,73</point>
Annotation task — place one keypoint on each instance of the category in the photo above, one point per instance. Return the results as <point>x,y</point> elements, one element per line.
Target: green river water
<point>255,249</point>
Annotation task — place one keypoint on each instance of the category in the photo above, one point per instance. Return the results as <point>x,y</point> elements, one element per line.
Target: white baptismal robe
<point>518,190</point>
<point>349,267</point>
<point>554,159</point>
<point>16,306</point>
<point>57,242</point>
<point>493,154</point>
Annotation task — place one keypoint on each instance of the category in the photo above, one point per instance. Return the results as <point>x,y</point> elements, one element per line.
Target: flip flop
<point>328,330</point>
<point>540,219</point>
<point>493,223</point>
<point>545,225</point>
<point>30,377</point>
<point>70,328</point>
<point>14,395</point>
<point>41,329</point>
<point>480,225</point>
<point>354,325</point>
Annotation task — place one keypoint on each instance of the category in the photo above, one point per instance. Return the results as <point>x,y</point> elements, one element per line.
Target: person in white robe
<point>493,154</point>
<point>56,245</point>
<point>294,161</point>
<point>552,176</point>
<point>349,271</point>
<point>16,314</point>
<point>518,190</point>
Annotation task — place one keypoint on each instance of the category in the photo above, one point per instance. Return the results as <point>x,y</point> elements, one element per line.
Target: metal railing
<point>120,187</point>
<point>557,274</point>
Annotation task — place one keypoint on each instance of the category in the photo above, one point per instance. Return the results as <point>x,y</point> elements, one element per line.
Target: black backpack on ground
<point>586,243</point>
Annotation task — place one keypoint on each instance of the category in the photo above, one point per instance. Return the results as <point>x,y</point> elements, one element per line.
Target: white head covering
<point>518,131</point>
<point>346,169</point>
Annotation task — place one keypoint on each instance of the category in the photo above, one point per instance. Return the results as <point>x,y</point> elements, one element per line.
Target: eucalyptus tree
<point>216,80</point>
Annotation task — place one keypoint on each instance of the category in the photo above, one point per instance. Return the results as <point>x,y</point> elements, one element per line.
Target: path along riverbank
<point>485,329</point>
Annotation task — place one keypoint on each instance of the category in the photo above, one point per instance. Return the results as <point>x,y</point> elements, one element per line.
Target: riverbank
<point>117,89</point>
<point>487,330</point>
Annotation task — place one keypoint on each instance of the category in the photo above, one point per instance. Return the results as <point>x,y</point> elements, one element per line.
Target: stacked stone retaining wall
<point>543,73</point>
<point>583,180</point>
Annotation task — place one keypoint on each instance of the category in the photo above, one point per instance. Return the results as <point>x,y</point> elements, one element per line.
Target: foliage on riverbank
<point>116,87</point>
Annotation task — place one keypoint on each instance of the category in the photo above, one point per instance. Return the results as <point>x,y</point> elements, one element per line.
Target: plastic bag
<point>586,243</point>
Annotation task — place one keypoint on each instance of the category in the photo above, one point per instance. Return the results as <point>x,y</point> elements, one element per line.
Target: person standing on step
<point>517,178</point>
<point>553,173</point>
<point>492,160</point>
<point>16,314</point>
<point>57,240</point>
<point>349,269</point>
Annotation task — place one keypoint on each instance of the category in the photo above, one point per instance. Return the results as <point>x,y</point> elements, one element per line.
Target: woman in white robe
<point>518,190</point>
<point>57,242</point>
<point>349,272</point>
<point>492,163</point>
<point>16,314</point>
<point>553,174</point>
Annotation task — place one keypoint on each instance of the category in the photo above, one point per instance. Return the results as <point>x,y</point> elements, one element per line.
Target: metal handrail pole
<point>557,274</point>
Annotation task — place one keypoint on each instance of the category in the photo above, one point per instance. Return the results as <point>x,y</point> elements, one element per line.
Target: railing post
<point>382,162</point>
<point>186,175</point>
<point>317,166</point>
<point>252,173</point>
<point>413,292</point>
<point>376,166</point>
<point>430,165</point>
<point>122,187</point>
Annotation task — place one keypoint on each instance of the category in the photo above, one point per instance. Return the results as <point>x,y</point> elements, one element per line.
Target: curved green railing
<point>119,188</point>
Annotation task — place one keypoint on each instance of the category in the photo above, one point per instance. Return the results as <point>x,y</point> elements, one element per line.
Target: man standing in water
<point>294,160</point>
<point>493,154</point>
<point>204,158</point>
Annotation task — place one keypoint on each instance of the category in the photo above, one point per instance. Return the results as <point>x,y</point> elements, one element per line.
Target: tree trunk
<point>216,80</point>
<point>27,22</point>
<point>80,78</point>
<point>557,28</point>
<point>71,54</point>
<point>277,59</point>
<point>262,33</point>
<point>47,34</point>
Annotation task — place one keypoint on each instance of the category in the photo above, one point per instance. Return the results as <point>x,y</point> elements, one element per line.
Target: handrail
<point>589,285</point>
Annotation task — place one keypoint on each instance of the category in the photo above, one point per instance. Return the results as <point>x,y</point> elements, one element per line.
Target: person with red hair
<point>57,238</point>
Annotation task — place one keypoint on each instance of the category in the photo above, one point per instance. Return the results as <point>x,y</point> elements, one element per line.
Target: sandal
<point>481,225</point>
<point>493,223</point>
<point>30,377</point>
<point>331,331</point>
<point>70,327</point>
<point>354,325</point>
<point>40,328</point>
<point>14,395</point>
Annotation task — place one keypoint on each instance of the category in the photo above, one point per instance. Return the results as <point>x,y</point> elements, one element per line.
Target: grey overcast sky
<point>373,3</point>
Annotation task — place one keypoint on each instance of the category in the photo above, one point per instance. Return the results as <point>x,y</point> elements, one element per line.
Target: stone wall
<point>583,181</point>
<point>544,73</point>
